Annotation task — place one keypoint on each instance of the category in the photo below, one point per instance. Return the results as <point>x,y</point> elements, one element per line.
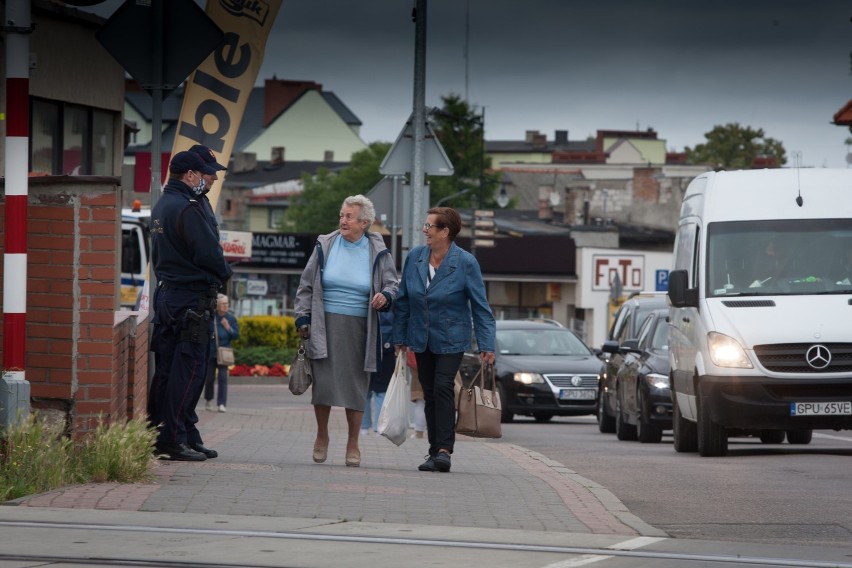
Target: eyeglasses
<point>427,226</point>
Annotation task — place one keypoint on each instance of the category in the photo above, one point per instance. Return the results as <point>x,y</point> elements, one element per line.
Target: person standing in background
<point>227,330</point>
<point>380,379</point>
<point>441,303</point>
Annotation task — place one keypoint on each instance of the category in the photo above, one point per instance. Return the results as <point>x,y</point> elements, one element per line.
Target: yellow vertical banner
<point>217,92</point>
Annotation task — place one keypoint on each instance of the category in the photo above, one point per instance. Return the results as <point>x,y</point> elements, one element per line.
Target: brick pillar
<point>81,353</point>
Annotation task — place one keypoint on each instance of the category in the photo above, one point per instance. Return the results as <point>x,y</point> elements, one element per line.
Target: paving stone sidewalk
<point>265,440</point>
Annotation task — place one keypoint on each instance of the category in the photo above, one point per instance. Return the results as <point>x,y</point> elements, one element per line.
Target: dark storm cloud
<point>678,66</point>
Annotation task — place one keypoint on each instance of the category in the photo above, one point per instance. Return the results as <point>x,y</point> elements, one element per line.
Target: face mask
<point>199,189</point>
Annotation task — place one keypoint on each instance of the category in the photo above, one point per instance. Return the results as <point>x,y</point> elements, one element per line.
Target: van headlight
<point>726,351</point>
<point>529,378</point>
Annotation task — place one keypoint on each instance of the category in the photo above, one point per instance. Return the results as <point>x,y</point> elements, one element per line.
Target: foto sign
<point>629,268</point>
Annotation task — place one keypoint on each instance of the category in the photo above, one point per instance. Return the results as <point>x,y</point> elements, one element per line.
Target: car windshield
<point>539,342</point>
<point>800,256</point>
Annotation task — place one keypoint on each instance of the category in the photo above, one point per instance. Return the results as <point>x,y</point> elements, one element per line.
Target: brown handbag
<point>478,407</point>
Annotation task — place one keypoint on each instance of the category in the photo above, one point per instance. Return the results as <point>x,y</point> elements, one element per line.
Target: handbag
<point>301,375</point>
<point>224,355</point>
<point>479,408</point>
<point>393,417</point>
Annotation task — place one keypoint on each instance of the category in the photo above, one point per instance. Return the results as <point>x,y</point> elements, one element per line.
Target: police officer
<point>191,269</point>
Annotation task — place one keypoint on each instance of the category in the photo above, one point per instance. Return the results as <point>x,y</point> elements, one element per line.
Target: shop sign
<point>280,250</point>
<point>630,270</point>
<point>236,244</point>
<point>256,287</point>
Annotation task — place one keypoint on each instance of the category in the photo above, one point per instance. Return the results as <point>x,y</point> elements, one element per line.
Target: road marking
<point>635,543</point>
<point>579,561</point>
<point>830,437</point>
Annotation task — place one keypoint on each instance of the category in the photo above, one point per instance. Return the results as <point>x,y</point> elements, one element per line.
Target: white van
<point>761,316</point>
<point>135,253</point>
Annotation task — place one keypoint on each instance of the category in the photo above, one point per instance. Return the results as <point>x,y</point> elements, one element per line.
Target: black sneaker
<point>428,465</point>
<point>441,461</point>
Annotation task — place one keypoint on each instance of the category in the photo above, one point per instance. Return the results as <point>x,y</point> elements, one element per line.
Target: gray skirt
<point>340,378</point>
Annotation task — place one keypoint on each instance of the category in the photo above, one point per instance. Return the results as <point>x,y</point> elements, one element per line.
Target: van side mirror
<point>680,295</point>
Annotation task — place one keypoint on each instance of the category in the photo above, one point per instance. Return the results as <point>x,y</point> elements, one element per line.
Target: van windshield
<point>759,258</point>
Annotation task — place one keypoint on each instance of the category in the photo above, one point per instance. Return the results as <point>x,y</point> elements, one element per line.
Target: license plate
<point>577,394</point>
<point>820,408</point>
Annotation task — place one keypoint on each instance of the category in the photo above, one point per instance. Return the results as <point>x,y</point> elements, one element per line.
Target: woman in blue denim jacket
<point>441,302</point>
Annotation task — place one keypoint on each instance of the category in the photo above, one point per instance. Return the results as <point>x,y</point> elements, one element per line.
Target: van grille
<point>791,357</point>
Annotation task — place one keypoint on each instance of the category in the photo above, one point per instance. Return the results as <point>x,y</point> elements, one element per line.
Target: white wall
<point>595,269</point>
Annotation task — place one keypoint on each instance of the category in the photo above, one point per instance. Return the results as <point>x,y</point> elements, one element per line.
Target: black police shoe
<point>180,452</point>
<point>206,451</point>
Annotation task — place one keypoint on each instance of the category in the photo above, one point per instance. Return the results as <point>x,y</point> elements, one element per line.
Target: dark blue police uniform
<point>191,269</point>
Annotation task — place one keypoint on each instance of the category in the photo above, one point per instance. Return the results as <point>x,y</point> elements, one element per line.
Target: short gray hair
<point>220,297</point>
<point>368,212</point>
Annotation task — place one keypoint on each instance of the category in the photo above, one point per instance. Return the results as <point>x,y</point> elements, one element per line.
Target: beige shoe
<point>353,458</point>
<point>320,454</point>
<point>209,405</point>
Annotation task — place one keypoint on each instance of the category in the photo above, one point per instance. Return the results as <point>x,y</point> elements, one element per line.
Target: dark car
<point>643,396</point>
<point>543,370</point>
<point>625,326</point>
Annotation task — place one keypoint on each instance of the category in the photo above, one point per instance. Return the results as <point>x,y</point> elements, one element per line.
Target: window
<point>69,139</point>
<point>276,218</point>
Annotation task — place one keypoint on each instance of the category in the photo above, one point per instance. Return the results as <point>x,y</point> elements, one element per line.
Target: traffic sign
<point>400,158</point>
<point>187,36</point>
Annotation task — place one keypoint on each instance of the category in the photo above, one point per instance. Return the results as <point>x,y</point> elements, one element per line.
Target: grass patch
<point>36,456</point>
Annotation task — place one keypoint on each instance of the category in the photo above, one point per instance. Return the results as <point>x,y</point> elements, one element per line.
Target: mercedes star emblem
<point>818,357</point>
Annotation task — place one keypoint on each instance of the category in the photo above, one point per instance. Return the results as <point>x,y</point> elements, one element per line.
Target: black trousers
<point>180,368</point>
<point>437,373</point>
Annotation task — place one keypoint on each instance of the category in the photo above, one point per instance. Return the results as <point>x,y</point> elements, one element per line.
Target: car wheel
<point>647,431</point>
<point>623,430</point>
<point>505,415</point>
<point>799,436</point>
<point>684,431</point>
<point>712,438</point>
<point>772,436</point>
<point>606,423</point>
<point>542,416</point>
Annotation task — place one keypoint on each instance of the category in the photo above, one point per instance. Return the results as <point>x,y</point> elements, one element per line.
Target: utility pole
<point>418,205</point>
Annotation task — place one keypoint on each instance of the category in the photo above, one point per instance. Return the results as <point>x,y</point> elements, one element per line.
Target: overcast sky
<point>677,66</point>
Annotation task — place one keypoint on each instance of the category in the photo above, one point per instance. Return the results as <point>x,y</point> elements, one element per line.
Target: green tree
<point>735,147</point>
<point>459,128</point>
<point>316,209</point>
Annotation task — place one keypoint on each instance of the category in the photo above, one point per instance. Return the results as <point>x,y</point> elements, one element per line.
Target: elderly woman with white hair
<point>348,279</point>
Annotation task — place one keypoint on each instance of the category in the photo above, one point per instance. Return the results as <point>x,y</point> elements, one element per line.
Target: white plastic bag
<point>393,417</point>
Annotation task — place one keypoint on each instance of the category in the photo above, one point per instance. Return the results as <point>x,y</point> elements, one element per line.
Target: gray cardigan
<point>310,308</point>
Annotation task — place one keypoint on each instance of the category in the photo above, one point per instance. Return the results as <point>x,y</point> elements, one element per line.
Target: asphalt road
<point>778,494</point>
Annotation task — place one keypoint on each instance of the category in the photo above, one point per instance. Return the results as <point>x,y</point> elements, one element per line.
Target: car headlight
<point>529,378</point>
<point>657,381</point>
<point>726,351</point>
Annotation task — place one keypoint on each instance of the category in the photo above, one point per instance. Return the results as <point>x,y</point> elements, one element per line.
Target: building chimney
<point>245,162</point>
<point>561,138</point>
<point>328,156</point>
<point>277,156</point>
<point>545,207</point>
<point>530,136</point>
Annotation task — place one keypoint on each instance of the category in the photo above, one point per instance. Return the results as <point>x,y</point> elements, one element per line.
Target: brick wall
<point>83,359</point>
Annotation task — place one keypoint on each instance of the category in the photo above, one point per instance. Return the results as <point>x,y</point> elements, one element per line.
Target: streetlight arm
<point>452,196</point>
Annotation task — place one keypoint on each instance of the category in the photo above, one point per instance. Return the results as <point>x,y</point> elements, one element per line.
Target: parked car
<point>542,370</point>
<point>643,397</point>
<point>625,326</point>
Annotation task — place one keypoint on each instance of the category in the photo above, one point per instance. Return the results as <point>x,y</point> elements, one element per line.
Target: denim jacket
<point>442,316</point>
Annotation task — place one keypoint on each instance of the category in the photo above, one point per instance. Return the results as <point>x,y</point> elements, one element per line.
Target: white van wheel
<point>712,438</point>
<point>683,431</point>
